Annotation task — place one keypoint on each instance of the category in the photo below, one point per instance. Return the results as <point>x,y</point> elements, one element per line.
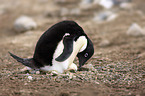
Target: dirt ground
<point>119,65</point>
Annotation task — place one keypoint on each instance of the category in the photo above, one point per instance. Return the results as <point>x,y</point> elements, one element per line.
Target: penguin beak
<point>26,62</point>
<point>82,60</point>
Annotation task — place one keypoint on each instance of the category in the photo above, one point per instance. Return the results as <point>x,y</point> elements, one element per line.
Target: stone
<point>135,30</point>
<point>24,23</point>
<point>105,16</point>
<point>30,77</point>
<point>118,2</point>
<point>85,4</point>
<point>54,73</point>
<point>60,1</point>
<point>112,17</point>
<point>104,43</point>
<point>107,4</point>
<point>89,66</point>
<point>102,16</point>
<point>125,5</point>
<point>37,72</point>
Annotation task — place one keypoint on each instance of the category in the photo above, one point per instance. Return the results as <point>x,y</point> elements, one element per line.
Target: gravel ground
<point>116,69</point>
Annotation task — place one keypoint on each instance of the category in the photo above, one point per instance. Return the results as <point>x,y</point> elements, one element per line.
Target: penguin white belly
<point>61,66</point>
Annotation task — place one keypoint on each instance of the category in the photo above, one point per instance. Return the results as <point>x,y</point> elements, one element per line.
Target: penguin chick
<point>57,48</point>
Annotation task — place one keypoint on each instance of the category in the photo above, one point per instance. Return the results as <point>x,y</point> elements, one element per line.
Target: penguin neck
<point>79,46</point>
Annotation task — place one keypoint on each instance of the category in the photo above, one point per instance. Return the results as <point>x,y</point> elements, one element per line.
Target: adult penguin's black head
<point>86,54</point>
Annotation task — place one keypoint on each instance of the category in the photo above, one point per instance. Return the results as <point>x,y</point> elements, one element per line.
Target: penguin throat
<point>84,44</point>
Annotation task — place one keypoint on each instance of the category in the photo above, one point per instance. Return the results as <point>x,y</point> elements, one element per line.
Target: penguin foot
<point>25,69</point>
<point>54,73</point>
<point>72,68</point>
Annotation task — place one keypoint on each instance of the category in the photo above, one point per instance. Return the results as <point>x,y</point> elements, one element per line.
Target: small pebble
<point>24,23</point>
<point>105,16</point>
<point>54,73</point>
<point>37,72</point>
<point>30,77</point>
<point>97,82</point>
<point>60,1</point>
<point>25,83</point>
<point>112,17</point>
<point>135,30</point>
<point>106,3</point>
<point>89,66</point>
<point>125,5</point>
<point>104,43</point>
<point>85,4</point>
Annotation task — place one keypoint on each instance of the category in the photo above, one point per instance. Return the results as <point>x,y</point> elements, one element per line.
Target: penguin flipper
<point>68,48</point>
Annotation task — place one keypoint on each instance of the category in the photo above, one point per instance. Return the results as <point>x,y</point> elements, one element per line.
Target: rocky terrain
<point>116,30</point>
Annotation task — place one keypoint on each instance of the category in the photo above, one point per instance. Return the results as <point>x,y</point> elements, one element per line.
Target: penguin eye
<point>86,54</point>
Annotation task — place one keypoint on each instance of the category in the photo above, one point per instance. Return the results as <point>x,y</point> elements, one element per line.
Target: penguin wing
<point>68,48</point>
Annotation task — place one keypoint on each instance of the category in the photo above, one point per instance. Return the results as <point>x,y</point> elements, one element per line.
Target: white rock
<point>102,16</point>
<point>85,4</point>
<point>112,17</point>
<point>37,72</point>
<point>54,73</point>
<point>24,23</point>
<point>96,1</point>
<point>135,30</point>
<point>89,66</point>
<point>104,43</point>
<point>106,3</point>
<point>125,5</point>
<point>25,69</point>
<point>97,82</point>
<point>118,2</point>
<point>60,1</point>
<point>25,83</point>
<point>30,77</point>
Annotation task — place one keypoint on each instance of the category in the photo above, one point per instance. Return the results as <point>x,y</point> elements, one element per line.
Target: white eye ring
<point>86,54</point>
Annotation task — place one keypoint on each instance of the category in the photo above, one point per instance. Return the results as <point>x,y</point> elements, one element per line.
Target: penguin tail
<point>27,62</point>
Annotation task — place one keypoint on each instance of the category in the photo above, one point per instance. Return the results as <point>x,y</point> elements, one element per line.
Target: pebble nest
<point>112,74</point>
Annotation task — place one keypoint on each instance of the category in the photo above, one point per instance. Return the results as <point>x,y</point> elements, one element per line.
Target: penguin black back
<point>66,34</point>
<point>50,39</point>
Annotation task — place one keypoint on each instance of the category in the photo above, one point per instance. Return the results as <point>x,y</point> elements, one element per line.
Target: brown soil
<point>125,52</point>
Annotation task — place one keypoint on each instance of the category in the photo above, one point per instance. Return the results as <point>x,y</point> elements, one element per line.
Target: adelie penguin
<point>57,48</point>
